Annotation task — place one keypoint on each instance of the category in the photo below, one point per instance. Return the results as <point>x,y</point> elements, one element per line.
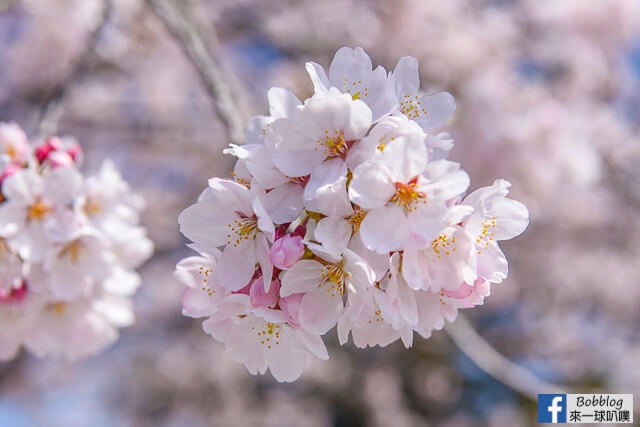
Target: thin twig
<point>51,110</point>
<point>495,364</point>
<point>213,77</point>
<point>6,4</point>
<point>620,182</point>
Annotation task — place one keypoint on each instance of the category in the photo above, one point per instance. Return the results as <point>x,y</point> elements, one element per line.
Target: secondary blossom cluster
<point>69,246</point>
<point>343,210</point>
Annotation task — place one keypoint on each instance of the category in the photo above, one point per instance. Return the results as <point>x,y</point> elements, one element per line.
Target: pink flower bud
<point>15,294</point>
<point>286,251</point>
<point>75,151</point>
<point>59,159</point>
<point>58,152</point>
<point>51,144</point>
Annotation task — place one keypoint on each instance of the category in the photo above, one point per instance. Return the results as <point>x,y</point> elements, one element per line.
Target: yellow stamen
<point>72,250</point>
<point>269,334</point>
<point>444,244</point>
<point>57,307</point>
<point>356,219</point>
<point>355,89</point>
<point>486,235</point>
<point>205,273</point>
<point>39,210</point>
<point>410,107</point>
<point>333,145</point>
<point>240,180</point>
<point>11,151</point>
<point>242,229</point>
<point>91,207</point>
<point>407,196</point>
<point>335,277</point>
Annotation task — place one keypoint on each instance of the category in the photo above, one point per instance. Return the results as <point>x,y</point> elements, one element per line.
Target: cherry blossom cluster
<point>69,246</point>
<point>343,211</point>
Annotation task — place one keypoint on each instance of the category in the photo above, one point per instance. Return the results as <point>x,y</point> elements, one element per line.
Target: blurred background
<point>548,98</point>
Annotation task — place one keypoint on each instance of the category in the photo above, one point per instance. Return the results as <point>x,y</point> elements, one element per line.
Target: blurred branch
<point>6,4</point>
<point>51,110</point>
<point>493,363</point>
<point>212,75</point>
<point>620,182</point>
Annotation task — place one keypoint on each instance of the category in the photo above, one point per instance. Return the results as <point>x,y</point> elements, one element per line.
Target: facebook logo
<point>552,408</point>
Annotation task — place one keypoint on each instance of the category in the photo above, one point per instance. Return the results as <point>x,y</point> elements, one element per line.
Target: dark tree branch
<point>495,364</point>
<point>51,109</point>
<point>212,75</point>
<point>6,5</point>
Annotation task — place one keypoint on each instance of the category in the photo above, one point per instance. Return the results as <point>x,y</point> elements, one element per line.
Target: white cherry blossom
<point>202,293</point>
<point>10,269</point>
<point>75,264</point>
<point>14,145</point>
<point>108,202</point>
<point>78,328</point>
<point>351,72</point>
<point>30,207</point>
<point>404,193</point>
<point>494,218</point>
<point>324,128</point>
<point>343,211</point>
<point>429,111</point>
<point>228,215</point>
<point>323,282</point>
<point>69,247</point>
<point>18,309</point>
<point>263,339</point>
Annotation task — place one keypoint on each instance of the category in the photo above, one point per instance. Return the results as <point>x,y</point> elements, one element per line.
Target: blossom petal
<point>282,102</point>
<point>320,309</point>
<point>23,186</point>
<point>413,268</point>
<point>372,185</point>
<point>385,229</point>
<point>492,264</point>
<point>512,218</point>
<point>205,222</point>
<point>326,191</point>
<point>407,304</point>
<point>319,78</point>
<point>62,184</point>
<point>237,265</point>
<point>302,277</point>
<point>264,171</point>
<point>197,303</point>
<point>405,75</point>
<point>291,142</point>
<point>286,359</point>
<point>446,179</point>
<point>313,343</point>
<point>261,297</point>
<point>265,223</point>
<point>12,218</point>
<point>264,259</point>
<point>408,157</point>
<point>334,233</point>
<point>439,107</point>
<point>284,202</point>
